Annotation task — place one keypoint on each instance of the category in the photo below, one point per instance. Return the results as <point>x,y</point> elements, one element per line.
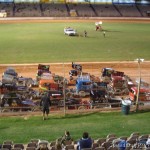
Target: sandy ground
<point>94,68</point>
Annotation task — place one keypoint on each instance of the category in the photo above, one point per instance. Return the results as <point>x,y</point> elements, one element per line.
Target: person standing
<point>104,34</point>
<point>45,103</point>
<point>84,142</point>
<point>97,27</point>
<point>85,33</point>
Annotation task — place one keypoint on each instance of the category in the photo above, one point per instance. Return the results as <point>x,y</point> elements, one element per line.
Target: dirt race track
<point>94,68</point>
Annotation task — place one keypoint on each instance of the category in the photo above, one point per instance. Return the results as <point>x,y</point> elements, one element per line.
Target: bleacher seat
<point>8,142</point>
<point>34,141</point>
<point>69,147</point>
<point>110,136</point>
<point>106,145</point>
<point>30,148</point>
<point>110,143</point>
<point>135,134</point>
<point>52,143</point>
<point>16,149</point>
<point>123,137</point>
<point>112,148</point>
<point>94,145</point>
<point>19,145</point>
<point>8,146</point>
<point>32,144</point>
<point>100,141</point>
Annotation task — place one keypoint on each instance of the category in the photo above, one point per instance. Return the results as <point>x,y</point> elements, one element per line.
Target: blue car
<point>83,83</point>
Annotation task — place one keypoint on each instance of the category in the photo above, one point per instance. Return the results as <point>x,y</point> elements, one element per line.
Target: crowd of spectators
<point>134,142</point>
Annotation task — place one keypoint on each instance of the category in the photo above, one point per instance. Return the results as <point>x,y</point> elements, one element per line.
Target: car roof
<point>84,79</point>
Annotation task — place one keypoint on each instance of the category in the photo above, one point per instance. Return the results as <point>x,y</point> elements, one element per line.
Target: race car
<point>70,31</point>
<point>10,76</point>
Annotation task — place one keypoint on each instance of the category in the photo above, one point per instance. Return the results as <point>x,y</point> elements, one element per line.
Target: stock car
<point>10,76</point>
<point>14,102</point>
<point>70,31</point>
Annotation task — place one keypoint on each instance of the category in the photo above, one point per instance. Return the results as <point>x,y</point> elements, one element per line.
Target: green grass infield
<point>46,42</point>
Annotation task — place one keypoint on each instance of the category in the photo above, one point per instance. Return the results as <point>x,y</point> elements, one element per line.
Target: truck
<point>99,92</point>
<point>118,84</point>
<point>3,14</point>
<point>144,94</point>
<point>10,76</point>
<point>55,90</point>
<point>106,74</point>
<point>83,85</point>
<point>76,66</point>
<point>46,85</point>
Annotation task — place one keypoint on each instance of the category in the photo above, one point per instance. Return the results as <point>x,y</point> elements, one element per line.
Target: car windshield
<point>70,30</point>
<point>86,83</point>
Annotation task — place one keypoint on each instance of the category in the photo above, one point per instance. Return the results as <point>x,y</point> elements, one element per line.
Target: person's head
<point>85,135</point>
<point>46,94</point>
<point>67,133</point>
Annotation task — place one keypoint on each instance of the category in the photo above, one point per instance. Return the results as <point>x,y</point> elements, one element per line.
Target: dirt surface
<point>94,68</point>
<point>91,19</point>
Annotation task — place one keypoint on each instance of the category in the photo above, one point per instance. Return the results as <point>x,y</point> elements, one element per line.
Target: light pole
<point>64,89</point>
<point>139,60</point>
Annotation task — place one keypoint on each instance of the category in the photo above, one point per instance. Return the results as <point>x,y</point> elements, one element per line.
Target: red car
<point>144,94</point>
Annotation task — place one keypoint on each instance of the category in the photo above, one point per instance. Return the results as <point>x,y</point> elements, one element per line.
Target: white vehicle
<point>3,14</point>
<point>46,76</point>
<point>70,31</point>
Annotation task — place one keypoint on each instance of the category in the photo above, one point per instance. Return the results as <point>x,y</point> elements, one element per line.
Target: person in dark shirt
<point>84,142</point>
<point>45,103</point>
<point>85,33</point>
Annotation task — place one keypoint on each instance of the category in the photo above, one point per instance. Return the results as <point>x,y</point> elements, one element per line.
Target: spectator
<point>45,103</point>
<point>42,145</point>
<point>148,142</point>
<point>122,145</point>
<point>104,34</point>
<point>97,27</point>
<point>66,137</point>
<point>84,142</point>
<point>85,33</point>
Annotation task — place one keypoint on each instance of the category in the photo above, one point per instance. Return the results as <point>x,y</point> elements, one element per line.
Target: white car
<point>3,14</point>
<point>70,31</point>
<point>47,76</point>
